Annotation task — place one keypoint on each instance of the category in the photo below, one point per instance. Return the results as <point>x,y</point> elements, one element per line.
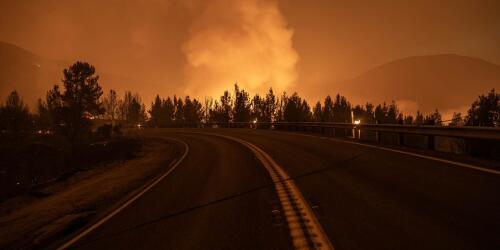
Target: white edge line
<point>130,201</point>
<point>465,165</point>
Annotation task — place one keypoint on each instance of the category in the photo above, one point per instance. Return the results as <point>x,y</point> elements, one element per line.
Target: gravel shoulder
<point>29,221</point>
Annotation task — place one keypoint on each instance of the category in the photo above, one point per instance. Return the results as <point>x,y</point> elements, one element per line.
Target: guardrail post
<point>430,142</point>
<point>401,139</point>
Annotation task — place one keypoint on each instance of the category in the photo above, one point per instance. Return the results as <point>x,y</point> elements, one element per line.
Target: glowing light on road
<point>255,121</point>
<point>357,122</point>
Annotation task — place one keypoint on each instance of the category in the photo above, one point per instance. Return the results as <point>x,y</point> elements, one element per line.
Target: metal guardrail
<point>355,130</point>
<point>459,132</point>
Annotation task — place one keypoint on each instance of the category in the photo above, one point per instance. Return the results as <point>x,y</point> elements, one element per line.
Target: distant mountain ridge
<point>448,82</point>
<point>32,75</point>
<point>445,81</point>
<point>26,72</point>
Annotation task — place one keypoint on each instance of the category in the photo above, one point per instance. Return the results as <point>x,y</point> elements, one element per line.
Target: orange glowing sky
<point>202,47</point>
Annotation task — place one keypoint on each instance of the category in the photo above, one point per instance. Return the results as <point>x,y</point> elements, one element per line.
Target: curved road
<point>222,197</point>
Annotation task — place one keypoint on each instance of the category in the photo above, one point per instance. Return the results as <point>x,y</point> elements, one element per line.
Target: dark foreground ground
<point>220,197</point>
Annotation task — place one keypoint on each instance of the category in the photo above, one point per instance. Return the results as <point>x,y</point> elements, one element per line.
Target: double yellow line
<point>305,230</point>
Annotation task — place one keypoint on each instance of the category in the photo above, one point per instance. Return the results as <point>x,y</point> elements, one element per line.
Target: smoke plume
<point>248,42</point>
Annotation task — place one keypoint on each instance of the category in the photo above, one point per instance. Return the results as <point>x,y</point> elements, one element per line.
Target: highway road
<point>225,194</point>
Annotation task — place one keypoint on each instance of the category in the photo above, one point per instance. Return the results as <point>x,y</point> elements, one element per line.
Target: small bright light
<point>139,125</point>
<point>357,122</point>
<point>254,121</point>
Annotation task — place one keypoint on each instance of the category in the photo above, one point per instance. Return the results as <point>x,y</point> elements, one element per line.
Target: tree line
<point>70,108</point>
<point>240,107</point>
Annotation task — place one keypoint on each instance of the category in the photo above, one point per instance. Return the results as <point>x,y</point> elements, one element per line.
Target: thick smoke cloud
<point>248,42</point>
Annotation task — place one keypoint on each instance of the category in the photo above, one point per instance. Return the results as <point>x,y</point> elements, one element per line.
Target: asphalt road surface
<point>221,197</point>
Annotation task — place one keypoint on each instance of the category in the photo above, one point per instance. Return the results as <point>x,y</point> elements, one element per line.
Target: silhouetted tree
<point>214,112</point>
<point>14,115</point>
<point>296,109</point>
<point>168,111</point>
<point>156,112</point>
<point>392,113</point>
<point>408,120</point>
<point>317,113</point>
<point>280,108</point>
<point>241,110</point>
<point>209,103</point>
<point>387,114</point>
<point>124,104</point>
<point>433,119</point>
<point>456,120</point>
<point>179,111</point>
<point>419,118</point>
<point>73,108</point>
<point>44,119</point>
<point>341,109</point>
<point>110,104</point>
<point>270,107</point>
<point>400,119</point>
<point>370,113</point>
<point>485,111</point>
<point>327,111</point>
<point>306,111</point>
<point>224,108</point>
<point>192,111</point>
<point>132,110</point>
<point>258,108</point>
<point>136,113</point>
<point>364,114</point>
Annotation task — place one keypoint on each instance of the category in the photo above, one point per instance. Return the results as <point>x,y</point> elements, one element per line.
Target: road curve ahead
<point>223,196</point>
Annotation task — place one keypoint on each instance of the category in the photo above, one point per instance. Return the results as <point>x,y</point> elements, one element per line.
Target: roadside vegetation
<point>61,138</point>
<point>240,107</point>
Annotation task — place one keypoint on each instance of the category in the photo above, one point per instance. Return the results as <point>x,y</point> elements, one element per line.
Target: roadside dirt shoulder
<point>30,222</point>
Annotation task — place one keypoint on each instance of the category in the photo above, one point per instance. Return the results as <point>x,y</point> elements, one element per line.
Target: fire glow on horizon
<point>248,42</point>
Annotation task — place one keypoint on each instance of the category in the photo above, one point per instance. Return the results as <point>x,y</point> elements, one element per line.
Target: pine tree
<point>73,108</point>
<point>241,110</point>
<point>327,110</point>
<point>14,115</point>
<point>317,113</point>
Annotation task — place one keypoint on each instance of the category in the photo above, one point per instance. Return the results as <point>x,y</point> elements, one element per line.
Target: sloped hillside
<point>448,82</point>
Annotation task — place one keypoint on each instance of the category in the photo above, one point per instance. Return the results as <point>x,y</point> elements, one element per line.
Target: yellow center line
<point>305,230</point>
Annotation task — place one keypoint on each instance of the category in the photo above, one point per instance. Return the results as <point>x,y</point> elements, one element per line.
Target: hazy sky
<point>202,47</point>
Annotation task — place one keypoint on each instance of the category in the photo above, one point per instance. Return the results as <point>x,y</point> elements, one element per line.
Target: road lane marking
<point>305,230</point>
<point>465,165</point>
<point>130,201</point>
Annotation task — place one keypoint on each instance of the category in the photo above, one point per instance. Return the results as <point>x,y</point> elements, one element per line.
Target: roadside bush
<point>30,161</point>
<point>104,131</point>
<point>117,130</point>
<point>114,149</point>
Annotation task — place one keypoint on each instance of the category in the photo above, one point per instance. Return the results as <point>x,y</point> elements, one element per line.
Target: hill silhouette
<point>447,81</point>
<point>32,75</point>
